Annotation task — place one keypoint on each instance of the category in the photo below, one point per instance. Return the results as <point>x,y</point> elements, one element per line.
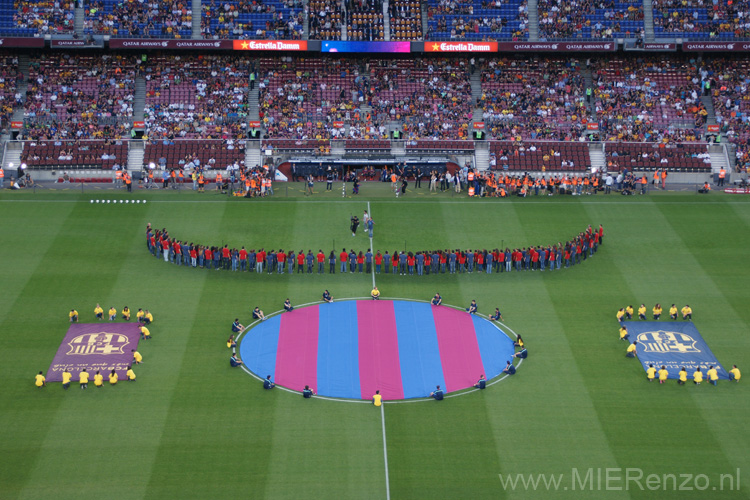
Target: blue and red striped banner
<point>350,349</point>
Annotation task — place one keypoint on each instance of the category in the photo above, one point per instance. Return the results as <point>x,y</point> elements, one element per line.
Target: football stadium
<point>388,249</point>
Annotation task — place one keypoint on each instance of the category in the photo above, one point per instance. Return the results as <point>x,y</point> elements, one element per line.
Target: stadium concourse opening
<point>352,348</point>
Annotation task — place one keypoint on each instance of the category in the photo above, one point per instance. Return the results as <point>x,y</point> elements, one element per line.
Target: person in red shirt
<point>479,259</point>
<point>410,260</point>
<point>360,261</point>
<point>243,259</point>
<point>281,260</point>
<point>176,252</point>
<point>208,257</point>
<point>321,258</point>
<point>601,234</point>
<point>534,259</point>
<point>461,261</point>
<point>442,259</point>
<point>301,262</point>
<point>165,249</point>
<point>394,262</point>
<point>427,262</point>
<point>378,262</point>
<point>194,256</point>
<point>259,260</point>
<point>343,257</point>
<point>225,254</point>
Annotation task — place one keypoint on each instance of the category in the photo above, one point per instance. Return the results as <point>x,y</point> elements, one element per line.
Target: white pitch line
<point>372,265</point>
<point>385,455</point>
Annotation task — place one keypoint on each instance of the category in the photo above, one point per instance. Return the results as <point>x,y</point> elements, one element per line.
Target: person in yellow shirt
<point>624,335</point>
<point>39,380</point>
<point>98,379</point>
<point>657,311</point>
<point>683,376</point>
<point>148,318</point>
<point>137,358</point>
<point>687,313</point>
<point>629,312</point>
<point>83,378</point>
<point>697,376</point>
<point>98,312</point>
<point>673,312</point>
<point>650,373</point>
<point>130,374</point>
<point>112,313</point>
<point>620,314</point>
<point>126,313</point>
<point>145,333</point>
<point>139,315</point>
<point>375,294</point>
<point>73,316</point>
<point>734,374</point>
<point>712,376</point>
<point>642,312</point>
<point>663,374</point>
<point>66,377</point>
<point>377,399</point>
<point>631,352</point>
<point>112,377</point>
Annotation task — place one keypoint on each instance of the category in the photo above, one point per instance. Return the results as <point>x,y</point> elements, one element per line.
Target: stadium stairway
<point>78,21</point>
<point>252,154</point>
<point>196,21</point>
<point>589,84</point>
<point>425,25</point>
<point>136,152</point>
<point>253,102</point>
<point>386,22</point>
<point>398,148</point>
<point>23,85</point>
<point>481,155</point>
<point>139,98</point>
<point>476,93</point>
<point>533,9</point>
<point>648,20</point>
<point>306,20</point>
<point>719,159</point>
<point>597,157</point>
<point>13,152</point>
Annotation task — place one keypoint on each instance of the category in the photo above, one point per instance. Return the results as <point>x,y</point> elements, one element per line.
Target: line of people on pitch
<point>84,376</point>
<point>572,252</point>
<point>711,375</point>
<point>626,313</point>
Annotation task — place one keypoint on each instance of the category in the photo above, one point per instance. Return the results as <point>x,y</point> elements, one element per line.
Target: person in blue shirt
<point>236,326</point>
<point>437,394</point>
<point>352,261</point>
<point>481,383</point>
<point>472,309</point>
<point>523,354</point>
<point>368,261</point>
<point>420,263</point>
<point>498,316</point>
<point>452,262</point>
<point>267,384</point>
<point>291,261</point>
<point>402,263</point>
<point>327,297</point>
<point>488,262</point>
<point>307,392</point>
<point>387,262</point>
<point>234,361</point>
<point>437,300</point>
<point>309,258</point>
<point>510,369</point>
<point>470,260</point>
<point>258,314</point>
<point>288,305</point>
<point>370,225</point>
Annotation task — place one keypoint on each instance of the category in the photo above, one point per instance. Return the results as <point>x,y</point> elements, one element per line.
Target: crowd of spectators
<point>79,96</point>
<point>224,19</point>
<point>478,20</point>
<point>702,18</point>
<point>648,99</point>
<point>539,98</point>
<point>364,20</point>
<point>196,96</point>
<point>9,98</point>
<point>43,17</point>
<point>623,156</point>
<point>140,18</point>
<point>325,18</point>
<point>406,19</point>
<point>590,18</point>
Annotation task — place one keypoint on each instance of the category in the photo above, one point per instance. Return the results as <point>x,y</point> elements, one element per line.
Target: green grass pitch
<point>191,427</point>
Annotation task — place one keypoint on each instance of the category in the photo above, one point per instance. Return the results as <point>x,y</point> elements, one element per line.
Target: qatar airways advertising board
<point>460,46</point>
<point>604,46</point>
<point>715,46</point>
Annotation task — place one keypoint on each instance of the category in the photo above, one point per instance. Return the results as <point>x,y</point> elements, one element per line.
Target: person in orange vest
<point>219,183</point>
<point>644,182</point>
<point>722,175</point>
<point>173,176</point>
<point>2,178</point>
<point>655,182</point>
<point>705,189</point>
<point>150,178</point>
<point>664,179</point>
<point>201,183</point>
<point>128,181</point>
<point>118,178</point>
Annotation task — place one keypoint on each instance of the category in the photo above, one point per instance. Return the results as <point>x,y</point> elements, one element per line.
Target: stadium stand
<point>225,19</point>
<point>325,18</point>
<point>582,19</point>
<point>533,99</point>
<point>702,19</point>
<point>406,19</point>
<point>650,157</point>
<point>539,155</point>
<point>140,19</point>
<point>79,96</point>
<point>76,154</point>
<point>9,76</point>
<point>34,17</point>
<point>211,154</point>
<point>196,96</point>
<point>477,20</point>
<point>364,20</point>
<point>649,99</point>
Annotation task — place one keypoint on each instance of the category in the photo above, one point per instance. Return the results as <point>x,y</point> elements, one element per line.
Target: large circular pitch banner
<point>350,349</point>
